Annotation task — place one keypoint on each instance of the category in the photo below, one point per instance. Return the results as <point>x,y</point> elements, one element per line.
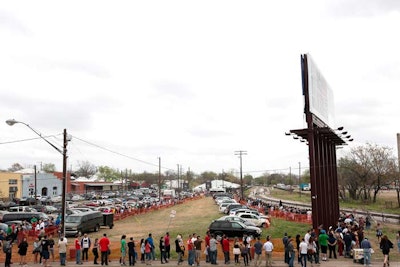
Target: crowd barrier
<point>283,214</point>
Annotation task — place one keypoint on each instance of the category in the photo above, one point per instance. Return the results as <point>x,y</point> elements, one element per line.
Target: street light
<point>63,152</point>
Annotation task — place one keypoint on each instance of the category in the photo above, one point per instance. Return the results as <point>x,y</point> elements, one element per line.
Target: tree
<point>15,167</point>
<point>86,169</point>
<point>108,174</point>
<point>49,167</point>
<point>365,169</point>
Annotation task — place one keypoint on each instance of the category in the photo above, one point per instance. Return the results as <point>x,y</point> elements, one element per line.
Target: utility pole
<point>299,178</point>
<point>240,153</point>
<point>178,177</point>
<point>159,179</point>
<point>34,167</point>
<point>398,178</point>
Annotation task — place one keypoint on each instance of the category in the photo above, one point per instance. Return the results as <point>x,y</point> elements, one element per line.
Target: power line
<point>120,154</point>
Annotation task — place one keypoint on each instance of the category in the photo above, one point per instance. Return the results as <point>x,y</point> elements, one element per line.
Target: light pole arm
<point>12,122</point>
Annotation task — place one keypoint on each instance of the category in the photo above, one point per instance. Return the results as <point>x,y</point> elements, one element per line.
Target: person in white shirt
<point>268,248</point>
<point>307,236</point>
<point>303,252</point>
<point>62,250</point>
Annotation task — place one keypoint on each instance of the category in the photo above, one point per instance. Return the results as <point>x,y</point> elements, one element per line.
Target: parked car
<point>2,212</point>
<point>21,208</point>
<point>253,218</point>
<point>233,229</point>
<point>223,206</point>
<point>238,211</point>
<point>236,219</point>
<point>83,222</point>
<point>234,206</point>
<point>51,209</point>
<point>21,216</point>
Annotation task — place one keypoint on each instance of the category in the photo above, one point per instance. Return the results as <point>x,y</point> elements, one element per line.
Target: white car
<point>56,199</point>
<point>238,211</point>
<point>219,200</point>
<point>253,218</point>
<point>267,219</point>
<point>223,206</point>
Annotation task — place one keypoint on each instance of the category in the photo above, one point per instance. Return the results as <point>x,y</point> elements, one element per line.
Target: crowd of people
<point>312,247</point>
<point>332,243</point>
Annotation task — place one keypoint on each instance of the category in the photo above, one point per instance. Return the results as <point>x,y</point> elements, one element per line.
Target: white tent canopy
<point>217,184</point>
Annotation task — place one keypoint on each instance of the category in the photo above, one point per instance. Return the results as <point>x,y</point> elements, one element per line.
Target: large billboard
<point>320,94</point>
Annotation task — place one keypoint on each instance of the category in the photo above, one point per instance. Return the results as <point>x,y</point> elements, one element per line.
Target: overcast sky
<point>191,81</point>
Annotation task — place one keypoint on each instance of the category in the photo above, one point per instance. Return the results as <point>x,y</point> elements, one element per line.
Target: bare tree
<point>86,169</point>
<point>15,167</point>
<point>366,169</point>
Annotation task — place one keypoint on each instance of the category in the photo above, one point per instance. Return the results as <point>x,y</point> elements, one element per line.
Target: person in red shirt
<point>104,244</point>
<point>167,244</point>
<point>207,241</point>
<point>225,249</point>
<point>191,251</point>
<point>78,250</point>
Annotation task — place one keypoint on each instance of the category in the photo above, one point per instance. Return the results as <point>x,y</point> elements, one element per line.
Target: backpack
<point>6,246</point>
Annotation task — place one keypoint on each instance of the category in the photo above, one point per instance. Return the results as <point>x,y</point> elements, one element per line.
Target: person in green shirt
<point>124,248</point>
<point>9,230</point>
<point>34,221</point>
<point>323,242</point>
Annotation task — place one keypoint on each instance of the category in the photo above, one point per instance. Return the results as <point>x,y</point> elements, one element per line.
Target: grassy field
<point>191,217</point>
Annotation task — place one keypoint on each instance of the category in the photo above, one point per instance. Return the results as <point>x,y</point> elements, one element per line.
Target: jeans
<point>7,262</point>
<point>131,257</point>
<point>303,260</point>
<point>292,255</point>
<point>85,254</point>
<point>78,256</point>
<point>213,256</point>
<point>96,255</point>
<point>63,257</point>
<point>104,257</point>
<point>180,257</point>
<point>191,257</point>
<point>367,256</point>
<point>163,256</point>
<point>226,257</point>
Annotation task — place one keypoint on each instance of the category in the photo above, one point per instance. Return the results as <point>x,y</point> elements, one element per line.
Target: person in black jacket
<point>131,252</point>
<point>385,245</point>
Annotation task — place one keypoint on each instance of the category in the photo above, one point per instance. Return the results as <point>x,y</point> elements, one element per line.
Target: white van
<point>22,209</point>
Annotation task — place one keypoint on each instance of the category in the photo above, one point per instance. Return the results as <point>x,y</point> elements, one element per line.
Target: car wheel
<point>96,228</point>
